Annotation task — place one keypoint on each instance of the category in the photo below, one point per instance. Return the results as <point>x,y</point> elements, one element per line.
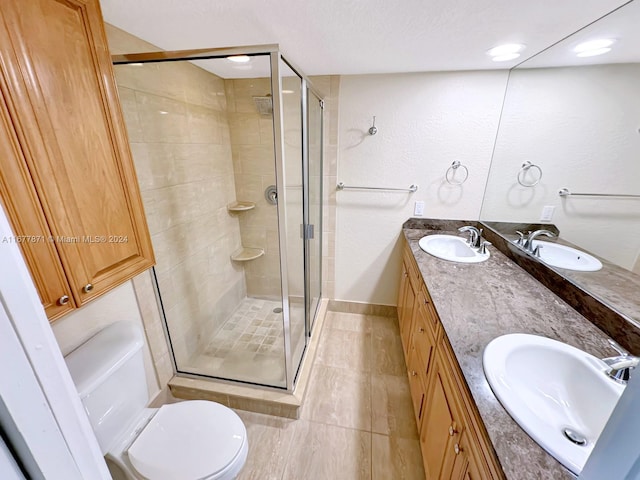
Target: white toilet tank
<point>108,372</point>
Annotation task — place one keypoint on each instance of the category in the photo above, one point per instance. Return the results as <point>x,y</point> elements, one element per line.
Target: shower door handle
<point>306,231</point>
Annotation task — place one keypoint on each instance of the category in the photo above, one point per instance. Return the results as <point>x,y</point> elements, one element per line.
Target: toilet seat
<point>192,440</point>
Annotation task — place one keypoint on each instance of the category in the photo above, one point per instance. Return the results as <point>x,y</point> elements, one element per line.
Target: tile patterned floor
<point>357,421</point>
<point>255,326</point>
<point>249,346</point>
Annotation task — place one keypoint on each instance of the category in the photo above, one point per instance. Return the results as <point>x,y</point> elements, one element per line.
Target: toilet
<point>190,440</point>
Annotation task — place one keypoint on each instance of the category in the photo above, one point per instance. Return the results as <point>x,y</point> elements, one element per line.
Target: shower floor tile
<point>249,346</point>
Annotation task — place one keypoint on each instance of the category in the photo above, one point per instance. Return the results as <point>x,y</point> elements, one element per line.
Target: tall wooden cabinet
<point>67,179</point>
<point>454,444</point>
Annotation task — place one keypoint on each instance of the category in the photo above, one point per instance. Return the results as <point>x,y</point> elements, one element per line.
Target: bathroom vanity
<point>448,312</point>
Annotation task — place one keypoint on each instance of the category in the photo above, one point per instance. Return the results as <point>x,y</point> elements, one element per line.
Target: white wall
<point>425,121</point>
<point>580,125</point>
<point>120,304</point>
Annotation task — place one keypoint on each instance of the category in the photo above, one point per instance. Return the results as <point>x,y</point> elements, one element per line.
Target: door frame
<point>41,415</point>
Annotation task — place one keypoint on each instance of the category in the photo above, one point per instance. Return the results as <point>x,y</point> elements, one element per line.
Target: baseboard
<point>363,308</point>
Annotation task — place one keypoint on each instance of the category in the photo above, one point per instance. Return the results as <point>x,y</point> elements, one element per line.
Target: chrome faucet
<point>621,365</point>
<point>528,242</point>
<point>475,235</point>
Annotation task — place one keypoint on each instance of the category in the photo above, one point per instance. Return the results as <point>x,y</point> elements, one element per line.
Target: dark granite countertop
<point>479,302</point>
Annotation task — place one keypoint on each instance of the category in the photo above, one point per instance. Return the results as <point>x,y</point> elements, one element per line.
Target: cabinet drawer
<point>412,267</point>
<point>423,340</point>
<point>432,316</point>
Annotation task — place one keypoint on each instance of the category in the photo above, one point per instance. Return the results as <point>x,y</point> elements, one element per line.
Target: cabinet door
<point>416,385</point>
<point>408,313</point>
<point>441,426</point>
<point>65,108</point>
<point>465,466</point>
<point>402,292</point>
<point>423,338</point>
<point>22,206</point>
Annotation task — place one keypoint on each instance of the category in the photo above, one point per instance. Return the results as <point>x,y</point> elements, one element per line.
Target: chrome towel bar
<point>412,188</point>
<point>564,192</point>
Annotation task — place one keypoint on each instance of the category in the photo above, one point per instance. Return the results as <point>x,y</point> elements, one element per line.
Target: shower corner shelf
<point>245,254</point>
<point>240,206</point>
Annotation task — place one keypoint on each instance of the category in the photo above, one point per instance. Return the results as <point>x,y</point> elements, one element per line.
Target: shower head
<point>264,105</point>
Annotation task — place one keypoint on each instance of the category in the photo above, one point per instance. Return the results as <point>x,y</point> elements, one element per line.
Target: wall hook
<point>373,130</point>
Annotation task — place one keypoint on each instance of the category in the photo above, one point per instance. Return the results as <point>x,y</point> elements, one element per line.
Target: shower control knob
<point>87,288</point>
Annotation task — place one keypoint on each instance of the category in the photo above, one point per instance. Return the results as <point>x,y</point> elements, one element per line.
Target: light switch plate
<point>418,209</point>
<point>547,213</point>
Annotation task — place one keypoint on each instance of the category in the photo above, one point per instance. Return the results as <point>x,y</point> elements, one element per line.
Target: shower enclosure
<point>228,150</point>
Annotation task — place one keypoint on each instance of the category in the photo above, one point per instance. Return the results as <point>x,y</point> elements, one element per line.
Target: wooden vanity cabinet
<point>453,440</point>
<point>68,182</point>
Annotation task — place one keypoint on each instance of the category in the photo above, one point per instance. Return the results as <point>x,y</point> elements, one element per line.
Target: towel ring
<point>526,166</point>
<point>452,170</point>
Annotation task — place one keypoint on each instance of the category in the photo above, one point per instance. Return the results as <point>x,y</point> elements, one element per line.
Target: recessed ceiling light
<point>598,44</point>
<point>593,53</point>
<point>507,49</point>
<point>239,58</point>
<point>506,57</point>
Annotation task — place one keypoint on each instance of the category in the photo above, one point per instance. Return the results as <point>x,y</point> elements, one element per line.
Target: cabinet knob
<point>452,431</point>
<point>87,288</point>
<point>457,449</point>
<point>426,302</point>
<point>420,330</point>
<point>405,274</point>
<point>414,373</point>
<point>63,300</point>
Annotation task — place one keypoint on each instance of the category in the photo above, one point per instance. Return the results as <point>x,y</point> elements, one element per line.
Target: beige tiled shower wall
<point>176,115</point>
<point>254,166</point>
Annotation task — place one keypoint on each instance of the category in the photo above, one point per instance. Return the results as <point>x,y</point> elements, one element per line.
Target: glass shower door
<point>291,199</point>
<point>314,220</point>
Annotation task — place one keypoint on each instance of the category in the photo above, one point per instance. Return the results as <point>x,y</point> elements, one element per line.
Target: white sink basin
<point>548,387</point>
<point>452,248</point>
<point>561,256</point>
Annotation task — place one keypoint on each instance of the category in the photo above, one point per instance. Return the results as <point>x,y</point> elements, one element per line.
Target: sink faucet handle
<point>618,348</point>
<point>482,250</point>
<point>520,240</point>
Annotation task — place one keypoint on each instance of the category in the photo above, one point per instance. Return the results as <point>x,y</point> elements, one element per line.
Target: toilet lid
<point>188,440</point>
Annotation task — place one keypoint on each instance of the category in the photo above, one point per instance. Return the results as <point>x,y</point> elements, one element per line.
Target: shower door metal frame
<point>273,50</point>
<point>311,315</point>
<point>278,133</point>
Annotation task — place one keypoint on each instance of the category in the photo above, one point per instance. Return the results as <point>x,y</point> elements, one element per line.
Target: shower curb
<point>255,398</point>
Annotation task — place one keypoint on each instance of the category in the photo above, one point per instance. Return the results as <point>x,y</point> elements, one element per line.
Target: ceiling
<point>356,37</point>
<point>621,25</point>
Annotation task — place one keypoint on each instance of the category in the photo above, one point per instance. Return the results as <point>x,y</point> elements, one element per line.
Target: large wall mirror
<point>571,122</point>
